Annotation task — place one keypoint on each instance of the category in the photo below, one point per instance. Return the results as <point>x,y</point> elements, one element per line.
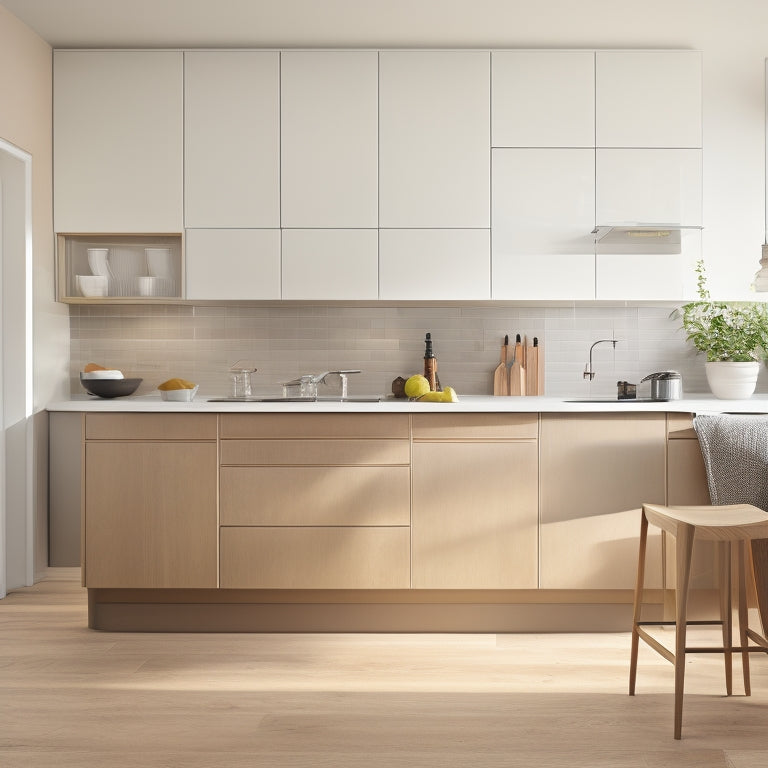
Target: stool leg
<point>683,551</point>
<point>741,564</point>
<point>726,609</point>
<point>638,602</point>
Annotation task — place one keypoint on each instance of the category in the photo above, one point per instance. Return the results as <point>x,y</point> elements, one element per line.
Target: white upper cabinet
<point>330,264</point>
<point>233,264</point>
<point>232,139</point>
<point>329,148</point>
<point>656,276</point>
<point>654,186</point>
<point>648,98</point>
<point>434,148</point>
<point>543,215</point>
<point>434,264</point>
<point>118,128</point>
<point>543,98</point>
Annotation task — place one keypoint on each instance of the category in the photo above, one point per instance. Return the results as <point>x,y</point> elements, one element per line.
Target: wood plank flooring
<point>75,698</point>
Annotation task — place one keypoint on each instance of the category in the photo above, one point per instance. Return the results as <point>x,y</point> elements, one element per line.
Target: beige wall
<point>25,121</point>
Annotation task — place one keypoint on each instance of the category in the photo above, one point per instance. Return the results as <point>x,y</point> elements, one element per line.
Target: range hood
<point>629,237</point>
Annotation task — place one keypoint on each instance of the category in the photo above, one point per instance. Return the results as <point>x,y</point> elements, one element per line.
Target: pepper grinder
<point>430,365</point>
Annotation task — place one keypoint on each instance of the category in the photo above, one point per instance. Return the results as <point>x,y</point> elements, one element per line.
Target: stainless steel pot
<point>665,385</point>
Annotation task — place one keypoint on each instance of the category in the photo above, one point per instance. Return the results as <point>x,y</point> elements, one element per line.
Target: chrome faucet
<point>307,384</point>
<point>588,371</point>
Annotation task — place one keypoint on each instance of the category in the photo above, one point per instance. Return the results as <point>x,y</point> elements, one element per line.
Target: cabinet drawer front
<point>315,496</point>
<point>488,426</point>
<point>680,426</point>
<point>290,425</point>
<point>319,452</point>
<point>315,558</point>
<point>150,426</point>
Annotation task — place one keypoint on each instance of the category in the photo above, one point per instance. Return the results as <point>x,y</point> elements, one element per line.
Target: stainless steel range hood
<point>639,238</point>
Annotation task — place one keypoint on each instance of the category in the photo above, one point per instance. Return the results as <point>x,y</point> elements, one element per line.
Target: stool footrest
<point>713,622</point>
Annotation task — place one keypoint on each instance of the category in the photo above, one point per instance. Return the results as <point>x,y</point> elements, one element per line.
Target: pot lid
<point>662,376</point>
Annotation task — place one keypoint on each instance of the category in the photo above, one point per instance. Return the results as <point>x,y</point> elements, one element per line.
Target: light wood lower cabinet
<point>475,502</point>
<point>314,503</point>
<point>150,514</point>
<point>463,501</point>
<point>596,472</point>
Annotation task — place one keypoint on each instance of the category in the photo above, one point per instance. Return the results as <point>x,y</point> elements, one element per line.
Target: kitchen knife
<point>500,380</point>
<point>517,369</point>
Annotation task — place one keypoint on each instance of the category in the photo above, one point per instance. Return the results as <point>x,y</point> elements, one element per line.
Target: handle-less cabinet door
<point>470,531</point>
<point>329,129</point>
<point>118,128</point>
<point>596,471</point>
<point>543,98</point>
<point>450,264</point>
<point>434,146</point>
<point>233,263</point>
<point>330,264</point>
<point>152,523</point>
<point>657,186</point>
<point>543,215</point>
<point>648,98</point>
<point>231,139</point>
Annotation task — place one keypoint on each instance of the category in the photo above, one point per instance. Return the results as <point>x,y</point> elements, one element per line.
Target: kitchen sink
<point>318,399</point>
<point>615,400</point>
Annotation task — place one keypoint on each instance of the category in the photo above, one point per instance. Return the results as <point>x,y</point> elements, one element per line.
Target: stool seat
<point>726,525</point>
<point>730,522</point>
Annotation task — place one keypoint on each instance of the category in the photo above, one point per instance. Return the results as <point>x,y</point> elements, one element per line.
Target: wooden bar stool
<point>723,524</point>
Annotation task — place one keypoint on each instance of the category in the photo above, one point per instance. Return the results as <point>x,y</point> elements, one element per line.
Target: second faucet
<point>589,373</point>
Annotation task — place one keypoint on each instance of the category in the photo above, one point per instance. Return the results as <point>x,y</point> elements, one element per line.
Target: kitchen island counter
<point>693,403</point>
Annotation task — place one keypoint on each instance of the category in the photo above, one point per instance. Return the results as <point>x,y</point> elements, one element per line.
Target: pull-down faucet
<point>588,372</point>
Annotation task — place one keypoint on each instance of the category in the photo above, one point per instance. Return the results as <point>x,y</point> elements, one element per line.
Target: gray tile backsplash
<point>201,342</point>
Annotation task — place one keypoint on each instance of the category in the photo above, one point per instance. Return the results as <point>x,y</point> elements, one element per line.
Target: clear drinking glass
<point>241,373</point>
<point>241,383</point>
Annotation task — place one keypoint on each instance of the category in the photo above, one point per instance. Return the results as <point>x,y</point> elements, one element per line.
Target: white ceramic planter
<point>732,381</point>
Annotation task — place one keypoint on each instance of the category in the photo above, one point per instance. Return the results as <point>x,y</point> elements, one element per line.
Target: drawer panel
<point>484,426</point>
<point>315,558</point>
<point>293,496</point>
<point>150,426</point>
<point>680,426</point>
<point>319,452</point>
<point>329,425</point>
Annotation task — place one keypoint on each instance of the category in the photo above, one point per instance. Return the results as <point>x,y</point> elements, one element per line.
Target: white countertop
<point>694,403</point>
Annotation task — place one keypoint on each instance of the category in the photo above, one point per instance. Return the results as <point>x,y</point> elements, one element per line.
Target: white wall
<point>25,122</point>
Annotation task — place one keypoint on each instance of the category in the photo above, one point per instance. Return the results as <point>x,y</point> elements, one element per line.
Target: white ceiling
<point>266,23</point>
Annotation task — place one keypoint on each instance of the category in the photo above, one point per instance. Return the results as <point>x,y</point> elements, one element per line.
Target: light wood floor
<point>71,697</point>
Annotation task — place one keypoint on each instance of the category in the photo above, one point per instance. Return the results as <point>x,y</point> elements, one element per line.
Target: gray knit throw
<point>735,451</point>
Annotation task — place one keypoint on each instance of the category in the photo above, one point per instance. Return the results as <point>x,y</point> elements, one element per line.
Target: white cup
<point>149,286</point>
<point>92,285</point>
<point>97,260</point>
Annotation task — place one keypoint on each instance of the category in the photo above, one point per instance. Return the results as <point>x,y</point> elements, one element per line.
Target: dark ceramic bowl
<point>111,387</point>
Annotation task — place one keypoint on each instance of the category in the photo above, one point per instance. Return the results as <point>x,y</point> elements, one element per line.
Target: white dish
<point>179,395</point>
<point>110,373</point>
<point>93,285</point>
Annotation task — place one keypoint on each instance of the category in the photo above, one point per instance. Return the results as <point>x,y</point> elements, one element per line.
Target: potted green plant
<point>733,336</point>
